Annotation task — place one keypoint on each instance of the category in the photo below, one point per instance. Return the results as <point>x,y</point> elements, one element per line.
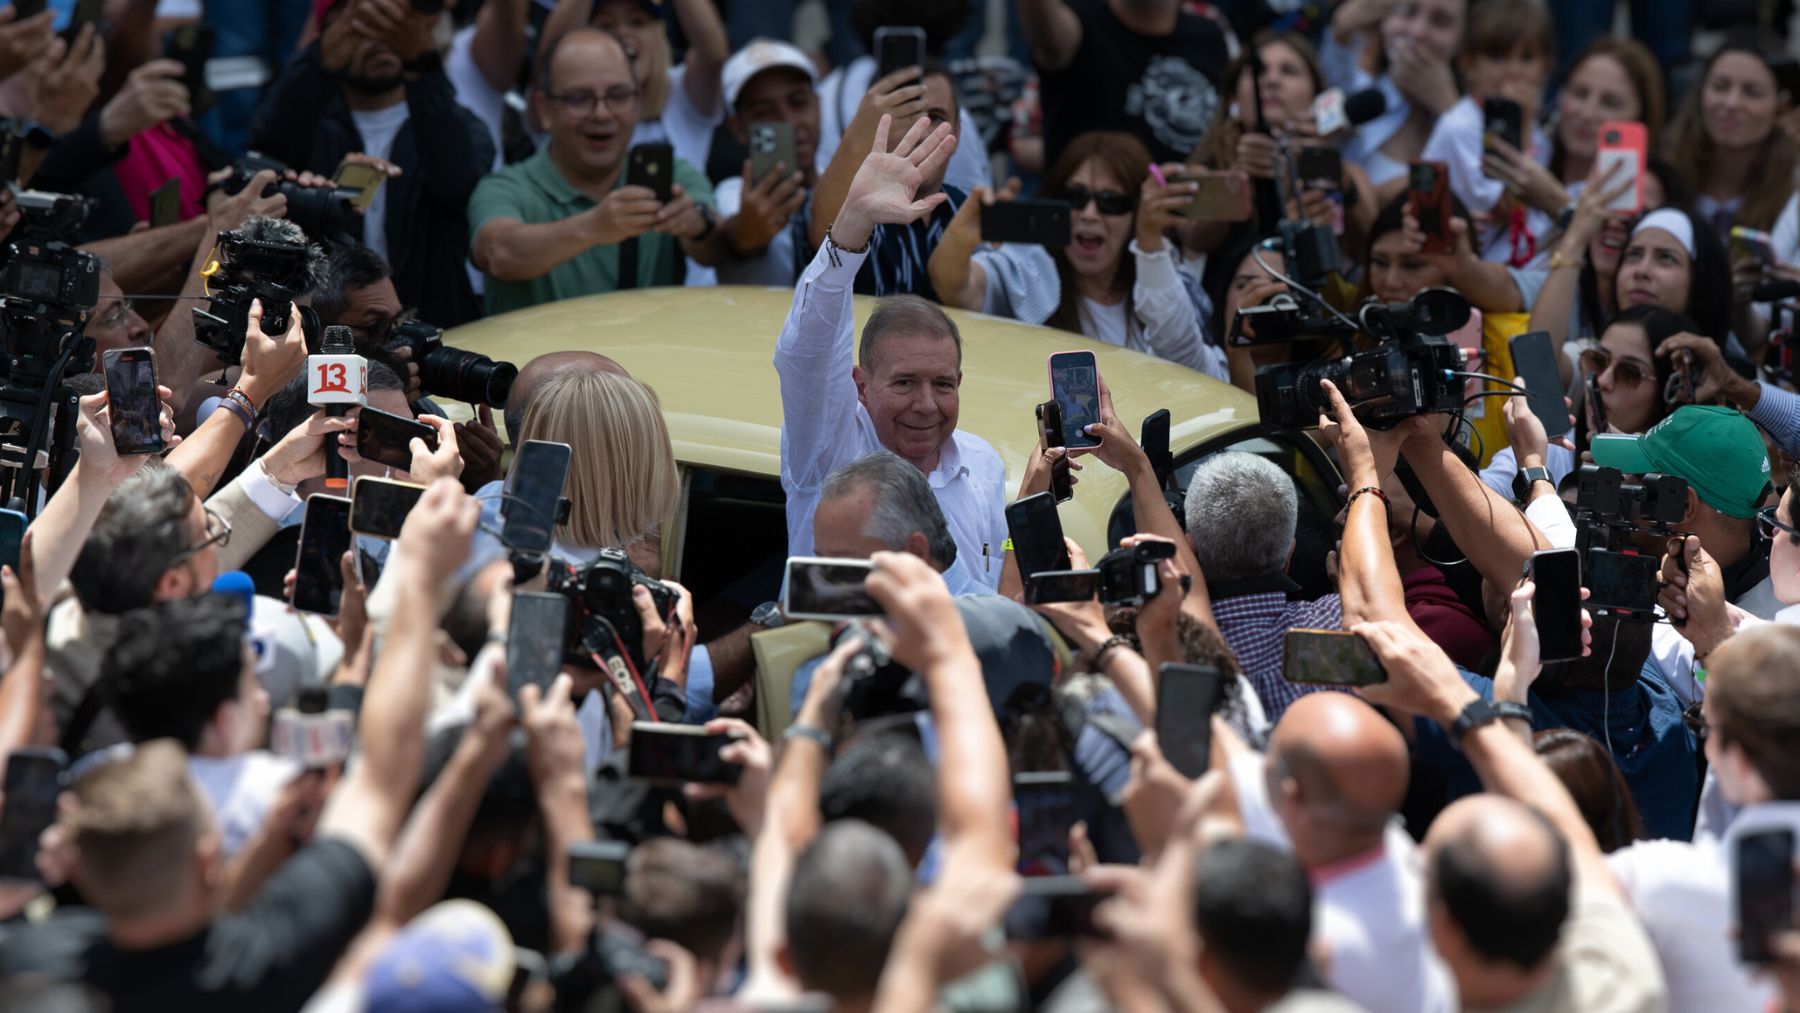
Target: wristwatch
<point>1510,709</point>
<point>1565,216</point>
<point>1479,712</point>
<point>1523,480</point>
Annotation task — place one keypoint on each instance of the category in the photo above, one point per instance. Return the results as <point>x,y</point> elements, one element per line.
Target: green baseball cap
<point>1718,450</point>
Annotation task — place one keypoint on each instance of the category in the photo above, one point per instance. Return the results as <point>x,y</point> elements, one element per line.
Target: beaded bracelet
<point>1117,640</point>
<point>1382,496</point>
<point>237,396</point>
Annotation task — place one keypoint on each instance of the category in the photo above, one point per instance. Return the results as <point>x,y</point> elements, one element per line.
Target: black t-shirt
<point>1162,89</point>
<point>271,957</point>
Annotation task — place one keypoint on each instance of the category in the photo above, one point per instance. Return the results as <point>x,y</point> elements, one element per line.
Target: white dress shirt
<point>824,426</point>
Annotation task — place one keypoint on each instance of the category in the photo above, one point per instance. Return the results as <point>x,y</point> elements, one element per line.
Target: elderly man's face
<point>115,324</point>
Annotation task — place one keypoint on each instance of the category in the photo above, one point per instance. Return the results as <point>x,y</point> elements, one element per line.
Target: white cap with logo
<point>758,56</point>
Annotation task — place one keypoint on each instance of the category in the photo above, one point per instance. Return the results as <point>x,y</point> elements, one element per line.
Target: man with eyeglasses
<point>115,323</point>
<point>563,223</point>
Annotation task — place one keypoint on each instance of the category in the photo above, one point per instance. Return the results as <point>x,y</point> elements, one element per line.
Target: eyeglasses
<point>1108,202</point>
<point>117,315</point>
<point>218,532</point>
<point>1627,372</point>
<point>582,103</point>
<point>1767,525</point>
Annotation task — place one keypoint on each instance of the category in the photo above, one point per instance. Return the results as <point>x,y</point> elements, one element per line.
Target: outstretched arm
<point>1052,31</point>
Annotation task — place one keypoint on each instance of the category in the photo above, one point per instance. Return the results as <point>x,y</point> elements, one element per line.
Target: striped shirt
<point>1254,624</point>
<point>899,254</point>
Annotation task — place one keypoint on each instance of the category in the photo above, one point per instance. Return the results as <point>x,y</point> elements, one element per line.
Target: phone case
<point>1429,184</point>
<point>897,48</point>
<point>137,422</point>
<point>1502,118</point>
<point>653,166</point>
<point>1224,195</point>
<point>1628,143</point>
<point>1040,222</point>
<point>771,143</point>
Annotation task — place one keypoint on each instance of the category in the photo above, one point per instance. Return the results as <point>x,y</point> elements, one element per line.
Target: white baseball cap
<point>761,55</point>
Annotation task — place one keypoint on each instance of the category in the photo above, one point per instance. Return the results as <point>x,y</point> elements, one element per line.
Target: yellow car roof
<point>708,351</point>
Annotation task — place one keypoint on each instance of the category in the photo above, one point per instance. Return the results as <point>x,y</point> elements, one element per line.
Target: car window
<point>1314,478</point>
<point>733,546</point>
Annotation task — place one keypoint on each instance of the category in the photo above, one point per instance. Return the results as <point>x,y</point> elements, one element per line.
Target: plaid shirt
<point>1253,624</point>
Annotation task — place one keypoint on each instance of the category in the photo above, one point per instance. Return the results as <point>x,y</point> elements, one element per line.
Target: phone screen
<point>1534,361</point>
<point>599,866</point>
<point>380,506</point>
<point>34,777</point>
<point>12,532</point>
<point>535,638</point>
<point>1330,658</point>
<point>386,438</point>
<point>1621,581</point>
<point>1047,586</point>
<point>528,510</point>
<point>667,754</point>
<point>1054,907</point>
<point>1037,536</point>
<point>1765,891</point>
<point>131,401</point>
<point>897,48</point>
<point>165,204</point>
<point>1556,604</point>
<point>1186,697</point>
<point>324,538</point>
<point>1075,386</point>
<point>1046,809</point>
<point>828,588</point>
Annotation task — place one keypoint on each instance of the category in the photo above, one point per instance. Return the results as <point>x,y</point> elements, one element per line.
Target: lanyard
<point>1524,244</point>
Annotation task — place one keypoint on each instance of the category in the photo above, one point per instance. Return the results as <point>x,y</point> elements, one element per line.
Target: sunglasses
<point>1109,202</point>
<point>1767,525</point>
<point>1626,372</point>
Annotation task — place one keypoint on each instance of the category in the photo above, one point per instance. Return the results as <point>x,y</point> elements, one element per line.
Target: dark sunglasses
<point>1109,202</point>
<point>1627,372</point>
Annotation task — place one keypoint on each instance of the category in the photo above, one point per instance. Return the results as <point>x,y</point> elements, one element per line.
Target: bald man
<point>535,373</point>
<point>1329,788</point>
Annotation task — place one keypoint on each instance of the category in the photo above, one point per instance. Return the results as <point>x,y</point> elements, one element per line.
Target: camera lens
<point>1612,137</point>
<point>467,376</point>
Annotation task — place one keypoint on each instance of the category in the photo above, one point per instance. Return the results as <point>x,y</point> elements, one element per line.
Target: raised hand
<point>886,184</point>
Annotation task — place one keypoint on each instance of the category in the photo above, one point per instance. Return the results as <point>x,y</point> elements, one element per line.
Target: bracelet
<point>1382,496</point>
<point>845,249</point>
<point>1558,261</point>
<point>1116,640</point>
<point>237,395</point>
<point>239,413</point>
<point>809,733</point>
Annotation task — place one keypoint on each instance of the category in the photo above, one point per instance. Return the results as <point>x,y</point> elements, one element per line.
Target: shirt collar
<point>1324,874</point>
<point>1267,584</point>
<point>1789,615</point>
<point>544,174</point>
<point>950,466</point>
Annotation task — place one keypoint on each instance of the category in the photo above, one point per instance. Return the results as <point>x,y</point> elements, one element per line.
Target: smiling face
<point>1518,75</point>
<point>1738,101</point>
<point>1598,90</point>
<point>1608,246</point>
<point>1630,407</point>
<point>1656,271</point>
<point>782,95</point>
<point>1395,275</point>
<point>633,25</point>
<point>911,394</point>
<point>1097,241</point>
<point>589,137</point>
<point>1287,86</point>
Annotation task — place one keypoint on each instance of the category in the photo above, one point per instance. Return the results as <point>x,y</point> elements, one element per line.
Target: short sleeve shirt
<point>535,192</point>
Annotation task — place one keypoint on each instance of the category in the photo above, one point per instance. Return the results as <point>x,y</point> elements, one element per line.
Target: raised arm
<point>498,45</point>
<point>1368,578</point>
<point>513,250</point>
<point>899,96</point>
<point>144,260</point>
<point>1491,531</point>
<point>956,275</point>
<point>708,49</point>
<point>60,528</point>
<point>1052,31</point>
<point>369,806</point>
<point>555,754</point>
<point>269,363</point>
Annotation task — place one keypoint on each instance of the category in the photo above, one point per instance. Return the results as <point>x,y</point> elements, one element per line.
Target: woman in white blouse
<point>1118,280</point>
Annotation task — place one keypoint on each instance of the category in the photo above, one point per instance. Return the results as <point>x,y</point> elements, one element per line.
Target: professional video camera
<point>606,626</point>
<point>451,372</point>
<point>1413,372</point>
<point>267,259</point>
<point>1621,581</point>
<point>1128,573</point>
<point>323,212</point>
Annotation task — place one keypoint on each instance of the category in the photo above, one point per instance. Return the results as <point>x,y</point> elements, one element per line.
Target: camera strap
<point>610,655</point>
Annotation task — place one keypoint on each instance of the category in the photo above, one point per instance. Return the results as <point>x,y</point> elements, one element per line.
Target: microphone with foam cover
<point>1364,106</point>
<point>238,583</point>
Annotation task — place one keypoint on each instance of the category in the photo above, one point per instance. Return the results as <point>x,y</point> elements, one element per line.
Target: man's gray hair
<point>904,504</point>
<point>1241,513</point>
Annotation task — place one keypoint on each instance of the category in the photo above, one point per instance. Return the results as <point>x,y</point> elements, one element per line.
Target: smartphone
<point>1534,361</point>
<point>23,9</point>
<point>1075,387</point>
<point>827,589</point>
<point>771,144</point>
<point>1556,605</point>
<point>1320,168</point>
<point>1036,532</point>
<point>1040,222</point>
<point>1186,697</point>
<point>191,45</point>
<point>533,494</point>
<point>1596,408</point>
<point>12,152</point>
<point>324,538</point>
<point>1047,586</point>
<point>599,866</point>
<point>86,12</point>
<point>1755,242</point>
<point>1627,144</point>
<point>670,755</point>
<point>1429,186</point>
<point>536,637</point>
<point>34,778</point>
<point>1045,802</point>
<point>379,505</point>
<point>1153,437</point>
<point>131,401</point>
<point>1062,480</point>
<point>897,48</point>
<point>1054,907</point>
<point>1621,582</point>
<point>652,165</point>
<point>12,532</point>
<point>165,204</point>
<point>1329,658</point>
<point>1224,195</point>
<point>1502,119</point>
<point>1764,886</point>
<point>366,180</point>
<point>386,438</point>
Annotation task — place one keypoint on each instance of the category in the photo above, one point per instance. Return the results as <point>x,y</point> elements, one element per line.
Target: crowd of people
<point>226,789</point>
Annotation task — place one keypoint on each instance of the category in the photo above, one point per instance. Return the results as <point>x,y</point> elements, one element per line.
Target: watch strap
<point>1479,712</point>
<point>1513,709</point>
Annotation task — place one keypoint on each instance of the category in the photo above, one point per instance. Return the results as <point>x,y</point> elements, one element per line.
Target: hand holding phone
<point>670,755</point>
<point>1329,658</point>
<point>1035,529</point>
<point>652,165</point>
<point>132,404</point>
<point>830,590</point>
<point>1429,190</point>
<point>1186,698</point>
<point>34,779</point>
<point>897,48</point>
<point>324,538</point>
<point>1556,603</point>
<point>1075,387</point>
<point>1534,361</point>
<point>1038,222</point>
<point>379,506</point>
<point>536,635</point>
<point>386,438</point>
<point>1625,145</point>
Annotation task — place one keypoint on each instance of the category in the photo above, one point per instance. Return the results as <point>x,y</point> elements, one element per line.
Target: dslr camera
<point>324,213</point>
<point>268,260</point>
<point>1412,371</point>
<point>451,372</point>
<point>1128,573</point>
<point>606,622</point>
<point>1621,581</point>
<point>47,288</point>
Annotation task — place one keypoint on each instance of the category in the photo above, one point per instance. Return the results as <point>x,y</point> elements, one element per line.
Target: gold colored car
<point>708,351</point>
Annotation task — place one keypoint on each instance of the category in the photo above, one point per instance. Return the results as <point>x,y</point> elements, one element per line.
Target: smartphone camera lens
<point>1612,137</point>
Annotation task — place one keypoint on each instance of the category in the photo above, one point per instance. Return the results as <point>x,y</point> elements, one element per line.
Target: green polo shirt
<point>534,192</point>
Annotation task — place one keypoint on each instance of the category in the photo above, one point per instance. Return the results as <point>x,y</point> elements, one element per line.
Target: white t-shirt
<point>1457,141</point>
<point>378,129</point>
<point>842,91</point>
<point>689,131</point>
<point>242,790</point>
<point>473,92</point>
<point>1370,916</point>
<point>1105,322</point>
